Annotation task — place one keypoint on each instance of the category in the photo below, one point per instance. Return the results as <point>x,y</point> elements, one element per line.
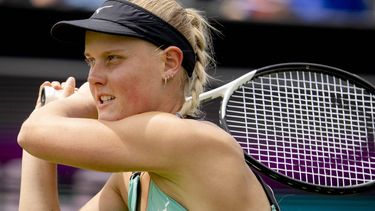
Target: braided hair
<point>196,28</point>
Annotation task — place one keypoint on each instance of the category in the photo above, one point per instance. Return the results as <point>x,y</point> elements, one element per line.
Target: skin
<point>123,120</point>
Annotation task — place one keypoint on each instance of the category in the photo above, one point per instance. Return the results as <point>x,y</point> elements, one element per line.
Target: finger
<point>56,85</point>
<point>63,84</point>
<point>44,84</point>
<point>69,86</point>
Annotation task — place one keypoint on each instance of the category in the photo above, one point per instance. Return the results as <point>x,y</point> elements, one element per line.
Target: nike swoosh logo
<point>100,8</point>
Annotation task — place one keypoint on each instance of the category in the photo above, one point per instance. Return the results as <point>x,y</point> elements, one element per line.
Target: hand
<point>78,102</point>
<point>62,90</point>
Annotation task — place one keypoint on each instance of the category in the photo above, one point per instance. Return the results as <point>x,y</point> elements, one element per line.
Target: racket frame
<point>228,89</point>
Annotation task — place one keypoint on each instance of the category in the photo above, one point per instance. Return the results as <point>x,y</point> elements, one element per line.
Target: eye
<point>112,59</point>
<point>90,62</point>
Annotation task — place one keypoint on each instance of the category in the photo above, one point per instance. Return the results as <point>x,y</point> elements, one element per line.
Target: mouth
<point>106,99</point>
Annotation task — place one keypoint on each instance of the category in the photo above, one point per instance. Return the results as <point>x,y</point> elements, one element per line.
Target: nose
<point>96,75</point>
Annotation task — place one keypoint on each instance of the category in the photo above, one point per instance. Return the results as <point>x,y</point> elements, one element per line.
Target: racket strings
<point>309,126</point>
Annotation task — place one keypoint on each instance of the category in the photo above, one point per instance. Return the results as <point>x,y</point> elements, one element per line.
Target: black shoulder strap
<point>133,176</point>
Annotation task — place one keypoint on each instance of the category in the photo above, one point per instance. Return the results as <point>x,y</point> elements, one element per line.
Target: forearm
<point>77,106</point>
<point>38,131</point>
<point>39,189</point>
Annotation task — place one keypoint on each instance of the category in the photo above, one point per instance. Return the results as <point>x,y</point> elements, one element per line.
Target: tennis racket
<point>306,125</point>
<point>48,95</point>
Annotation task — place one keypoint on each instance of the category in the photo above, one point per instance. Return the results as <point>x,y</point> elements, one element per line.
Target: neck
<point>172,105</point>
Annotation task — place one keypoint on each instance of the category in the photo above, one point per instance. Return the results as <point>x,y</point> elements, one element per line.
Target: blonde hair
<point>196,29</point>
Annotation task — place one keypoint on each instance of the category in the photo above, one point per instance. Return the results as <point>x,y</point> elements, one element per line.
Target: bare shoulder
<point>217,176</point>
<point>215,136</point>
<point>205,143</point>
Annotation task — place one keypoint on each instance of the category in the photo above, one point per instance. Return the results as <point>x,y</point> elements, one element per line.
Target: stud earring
<point>165,80</point>
<point>167,77</point>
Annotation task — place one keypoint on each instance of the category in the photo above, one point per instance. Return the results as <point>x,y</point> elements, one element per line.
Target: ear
<point>173,57</point>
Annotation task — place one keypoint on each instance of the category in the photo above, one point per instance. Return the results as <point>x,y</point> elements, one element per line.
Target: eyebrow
<point>107,52</point>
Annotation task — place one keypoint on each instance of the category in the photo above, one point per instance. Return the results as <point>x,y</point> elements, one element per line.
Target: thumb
<point>69,88</point>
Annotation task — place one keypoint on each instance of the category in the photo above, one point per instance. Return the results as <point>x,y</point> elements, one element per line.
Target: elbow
<point>20,140</point>
<point>25,137</point>
<point>30,142</point>
<point>32,138</point>
<point>22,137</point>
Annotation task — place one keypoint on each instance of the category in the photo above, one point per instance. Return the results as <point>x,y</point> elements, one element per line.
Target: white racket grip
<point>48,95</point>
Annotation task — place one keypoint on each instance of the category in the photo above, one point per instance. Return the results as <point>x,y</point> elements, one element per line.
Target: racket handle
<point>48,95</point>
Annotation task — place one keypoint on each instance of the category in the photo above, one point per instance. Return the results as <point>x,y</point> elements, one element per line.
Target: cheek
<point>135,96</point>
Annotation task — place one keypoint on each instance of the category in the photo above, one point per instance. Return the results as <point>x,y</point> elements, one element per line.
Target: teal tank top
<point>157,200</point>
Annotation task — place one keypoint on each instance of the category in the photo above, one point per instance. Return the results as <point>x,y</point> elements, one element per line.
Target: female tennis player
<point>131,118</point>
